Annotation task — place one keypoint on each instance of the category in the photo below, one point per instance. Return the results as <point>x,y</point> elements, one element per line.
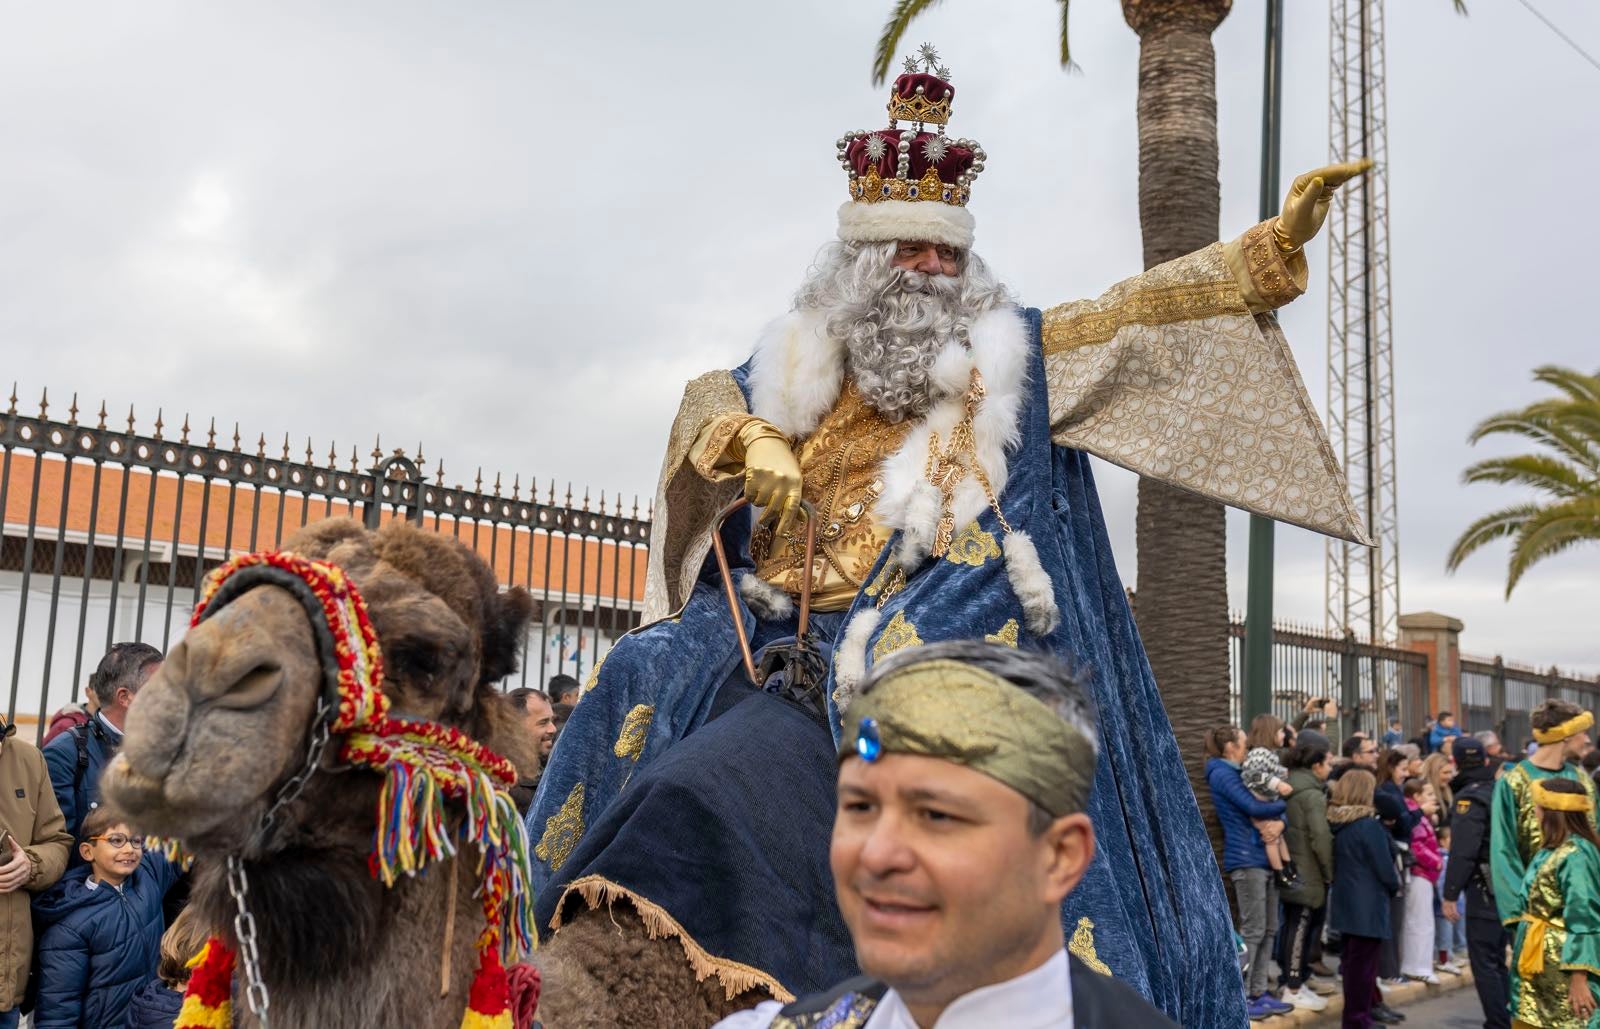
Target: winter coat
<point>155,1006</point>
<point>28,808</point>
<point>1364,877</point>
<point>1310,839</point>
<point>1406,816</point>
<point>1262,772</point>
<point>1425,847</point>
<point>77,794</point>
<point>98,946</point>
<point>1235,807</point>
<point>1439,734</point>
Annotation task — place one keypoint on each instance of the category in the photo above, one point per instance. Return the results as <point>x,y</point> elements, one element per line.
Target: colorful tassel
<point>208,999</point>
<point>489,1001</point>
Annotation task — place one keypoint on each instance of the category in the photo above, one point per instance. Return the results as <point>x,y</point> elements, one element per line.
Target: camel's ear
<point>504,625</point>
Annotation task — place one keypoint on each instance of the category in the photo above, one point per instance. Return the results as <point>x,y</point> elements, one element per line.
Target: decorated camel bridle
<point>424,765</point>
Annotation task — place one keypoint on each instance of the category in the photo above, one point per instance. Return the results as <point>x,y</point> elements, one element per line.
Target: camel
<point>224,724</point>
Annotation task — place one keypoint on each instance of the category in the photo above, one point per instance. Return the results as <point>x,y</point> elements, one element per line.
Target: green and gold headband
<point>951,710</point>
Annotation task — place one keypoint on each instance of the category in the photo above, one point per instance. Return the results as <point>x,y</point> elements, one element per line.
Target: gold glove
<point>772,480</point>
<point>1306,206</point>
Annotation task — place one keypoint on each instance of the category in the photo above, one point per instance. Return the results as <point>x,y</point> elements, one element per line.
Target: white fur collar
<point>798,371</point>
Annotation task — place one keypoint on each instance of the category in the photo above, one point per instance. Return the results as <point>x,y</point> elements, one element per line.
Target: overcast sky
<point>512,230</point>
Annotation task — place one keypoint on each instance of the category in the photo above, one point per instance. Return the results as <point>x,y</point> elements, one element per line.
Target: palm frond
<point>1536,470</point>
<point>1493,526</point>
<point>900,19</point>
<point>1573,383</point>
<point>1066,48</point>
<point>1552,530</point>
<point>1545,427</point>
<point>1461,6</point>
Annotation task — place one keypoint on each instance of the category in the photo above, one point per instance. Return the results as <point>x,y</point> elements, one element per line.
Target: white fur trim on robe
<point>850,660</point>
<point>798,372</point>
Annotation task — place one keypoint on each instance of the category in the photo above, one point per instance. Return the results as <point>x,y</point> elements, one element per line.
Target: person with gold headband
<point>964,772</point>
<point>1557,946</point>
<point>1560,729</point>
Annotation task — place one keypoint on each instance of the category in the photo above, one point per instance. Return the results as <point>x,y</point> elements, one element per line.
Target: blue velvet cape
<point>1151,908</point>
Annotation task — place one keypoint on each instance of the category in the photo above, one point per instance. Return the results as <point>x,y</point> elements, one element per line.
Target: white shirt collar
<point>1040,999</point>
<point>107,723</point>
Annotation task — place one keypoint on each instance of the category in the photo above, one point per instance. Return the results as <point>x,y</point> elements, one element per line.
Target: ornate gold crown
<point>913,164</point>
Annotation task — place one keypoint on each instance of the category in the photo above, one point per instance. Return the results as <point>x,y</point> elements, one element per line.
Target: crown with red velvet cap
<point>911,184</point>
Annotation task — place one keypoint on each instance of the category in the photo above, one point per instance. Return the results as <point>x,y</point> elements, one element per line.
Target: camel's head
<point>227,718</point>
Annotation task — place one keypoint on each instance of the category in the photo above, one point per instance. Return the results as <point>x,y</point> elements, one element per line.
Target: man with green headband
<point>964,770</point>
<point>1561,730</point>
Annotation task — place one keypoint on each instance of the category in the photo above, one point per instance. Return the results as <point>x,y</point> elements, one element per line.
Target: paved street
<point>1457,1009</point>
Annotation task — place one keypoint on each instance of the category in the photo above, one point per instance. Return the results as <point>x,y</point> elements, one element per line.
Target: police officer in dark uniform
<point>1468,872</point>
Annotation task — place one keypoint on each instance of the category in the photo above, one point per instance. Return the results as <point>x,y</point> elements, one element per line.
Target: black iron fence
<point>1372,683</point>
<point>108,533</point>
<point>1499,696</point>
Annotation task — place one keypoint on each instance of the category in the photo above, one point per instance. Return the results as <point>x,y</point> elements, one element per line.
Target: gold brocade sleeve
<point>686,502</point>
<point>1267,277</point>
<point>1172,375</point>
<point>719,450</point>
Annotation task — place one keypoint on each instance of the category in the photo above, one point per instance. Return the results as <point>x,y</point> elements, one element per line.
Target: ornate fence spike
<point>184,437</point>
<point>13,408</point>
<point>159,423</point>
<point>286,446</point>
<point>420,459</point>
<point>377,448</point>
<point>478,484</point>
<point>552,500</point>
<point>211,433</point>
<point>516,483</point>
<point>102,422</point>
<point>497,485</point>
<point>44,403</point>
<point>72,412</point>
<point>309,458</point>
<point>355,462</point>
<point>636,507</point>
<point>130,419</point>
<point>333,455</point>
<point>236,437</point>
<point>440,480</point>
<point>261,447</point>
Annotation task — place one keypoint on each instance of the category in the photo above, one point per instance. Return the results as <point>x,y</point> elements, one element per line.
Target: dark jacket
<point>98,946</point>
<point>155,1006</point>
<point>76,793</point>
<point>1364,876</point>
<point>1310,839</point>
<point>1403,817</point>
<point>1469,844</point>
<point>1098,1002</point>
<point>1236,806</point>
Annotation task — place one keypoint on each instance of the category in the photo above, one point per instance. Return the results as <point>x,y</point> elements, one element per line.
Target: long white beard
<point>894,322</point>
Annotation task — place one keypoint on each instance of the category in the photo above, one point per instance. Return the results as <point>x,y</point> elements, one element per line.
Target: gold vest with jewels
<point>839,468</point>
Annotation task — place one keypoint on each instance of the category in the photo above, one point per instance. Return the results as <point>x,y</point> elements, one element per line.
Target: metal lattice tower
<point>1363,585</point>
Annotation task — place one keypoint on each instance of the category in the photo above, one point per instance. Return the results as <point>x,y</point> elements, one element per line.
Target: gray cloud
<point>512,231</point>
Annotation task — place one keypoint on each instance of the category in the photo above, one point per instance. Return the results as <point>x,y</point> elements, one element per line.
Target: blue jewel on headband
<point>867,743</point>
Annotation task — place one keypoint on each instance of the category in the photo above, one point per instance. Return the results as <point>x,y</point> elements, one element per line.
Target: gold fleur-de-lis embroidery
<point>594,675</point>
<point>1006,635</point>
<point>1082,947</point>
<point>972,546</point>
<point>899,634</point>
<point>635,730</point>
<point>562,832</point>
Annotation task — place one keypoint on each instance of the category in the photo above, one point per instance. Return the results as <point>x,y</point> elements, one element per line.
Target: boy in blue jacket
<point>100,929</point>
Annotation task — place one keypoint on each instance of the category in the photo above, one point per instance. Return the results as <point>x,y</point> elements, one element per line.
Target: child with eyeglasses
<point>100,928</point>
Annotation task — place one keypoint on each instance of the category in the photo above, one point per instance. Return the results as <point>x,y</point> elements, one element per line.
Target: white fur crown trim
<point>922,220</point>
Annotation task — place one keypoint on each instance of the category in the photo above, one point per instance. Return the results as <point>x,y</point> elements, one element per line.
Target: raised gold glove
<point>1306,206</point>
<point>772,480</point>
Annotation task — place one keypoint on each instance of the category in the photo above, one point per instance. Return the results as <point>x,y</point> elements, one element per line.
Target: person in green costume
<point>1561,730</point>
<point>1554,984</point>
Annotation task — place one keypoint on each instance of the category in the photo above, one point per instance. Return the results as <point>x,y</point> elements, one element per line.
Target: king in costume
<point>942,432</point>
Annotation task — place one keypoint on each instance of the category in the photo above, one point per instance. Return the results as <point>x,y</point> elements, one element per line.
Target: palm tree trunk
<point>1182,543</point>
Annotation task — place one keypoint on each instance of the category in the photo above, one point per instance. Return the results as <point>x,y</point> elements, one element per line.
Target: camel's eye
<point>415,660</point>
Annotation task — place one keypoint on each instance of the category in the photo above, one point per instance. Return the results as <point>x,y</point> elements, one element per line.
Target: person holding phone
<point>33,853</point>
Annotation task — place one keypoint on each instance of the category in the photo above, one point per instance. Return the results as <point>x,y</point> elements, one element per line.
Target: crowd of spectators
<point>1348,848</point>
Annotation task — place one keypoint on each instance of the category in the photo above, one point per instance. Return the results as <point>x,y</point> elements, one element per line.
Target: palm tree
<point>1182,541</point>
<point>1568,427</point>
